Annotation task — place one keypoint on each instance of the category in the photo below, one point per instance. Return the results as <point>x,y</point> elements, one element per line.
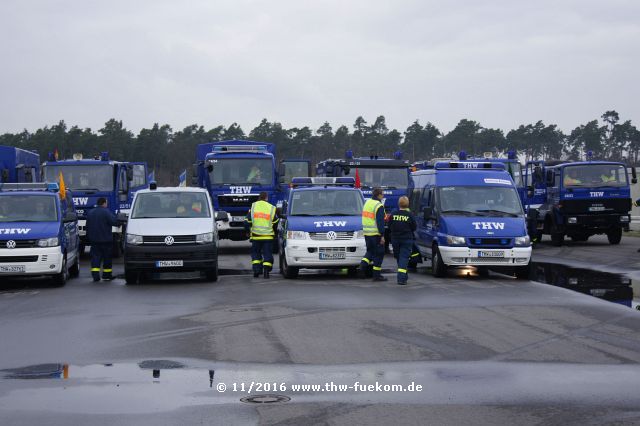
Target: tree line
<point>169,152</point>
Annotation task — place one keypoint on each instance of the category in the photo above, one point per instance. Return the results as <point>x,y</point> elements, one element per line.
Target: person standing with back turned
<point>99,223</point>
<point>260,222</point>
<point>373,228</point>
<point>402,225</point>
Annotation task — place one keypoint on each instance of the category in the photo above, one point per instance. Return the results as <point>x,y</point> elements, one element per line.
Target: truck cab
<point>38,232</point>
<point>18,165</point>
<point>321,226</point>
<point>469,214</point>
<point>584,199</point>
<point>90,179</point>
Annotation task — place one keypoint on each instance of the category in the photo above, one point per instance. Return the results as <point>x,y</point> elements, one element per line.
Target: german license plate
<point>237,219</point>
<point>492,253</point>
<point>168,263</point>
<point>598,292</point>
<point>13,268</point>
<point>333,256</point>
<point>596,209</point>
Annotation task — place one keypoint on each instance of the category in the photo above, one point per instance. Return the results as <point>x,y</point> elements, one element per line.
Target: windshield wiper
<point>464,212</point>
<point>304,214</point>
<point>85,189</point>
<point>498,212</point>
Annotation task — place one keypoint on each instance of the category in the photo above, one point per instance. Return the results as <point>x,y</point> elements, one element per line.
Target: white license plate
<point>14,268</point>
<point>491,253</point>
<point>598,292</point>
<point>597,209</point>
<point>332,256</point>
<point>237,219</point>
<point>168,263</point>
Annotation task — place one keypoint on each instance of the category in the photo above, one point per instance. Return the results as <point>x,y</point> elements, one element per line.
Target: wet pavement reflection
<point>604,285</point>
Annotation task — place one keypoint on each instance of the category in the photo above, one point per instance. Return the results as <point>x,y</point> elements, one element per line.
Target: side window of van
<point>414,202</point>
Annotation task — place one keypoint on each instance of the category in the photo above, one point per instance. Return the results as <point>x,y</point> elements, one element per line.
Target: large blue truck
<point>389,174</point>
<point>235,172</point>
<point>18,165</point>
<point>581,199</point>
<point>90,179</point>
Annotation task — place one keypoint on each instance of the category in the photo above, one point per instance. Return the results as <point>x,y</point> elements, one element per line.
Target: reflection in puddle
<point>604,285</point>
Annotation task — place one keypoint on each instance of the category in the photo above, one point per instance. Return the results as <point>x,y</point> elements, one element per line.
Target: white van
<point>171,230</point>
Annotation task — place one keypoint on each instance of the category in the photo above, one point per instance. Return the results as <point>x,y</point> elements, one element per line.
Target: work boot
<point>380,278</point>
<point>256,274</point>
<point>95,276</point>
<point>266,273</point>
<point>402,283</point>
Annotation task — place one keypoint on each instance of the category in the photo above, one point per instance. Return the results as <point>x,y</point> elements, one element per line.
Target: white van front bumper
<point>325,254</point>
<point>463,256</point>
<point>30,261</point>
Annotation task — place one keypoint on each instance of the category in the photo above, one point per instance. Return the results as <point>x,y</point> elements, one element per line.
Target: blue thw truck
<point>235,172</point>
<point>581,199</point>
<point>90,179</point>
<point>389,174</point>
<point>470,214</point>
<point>18,165</point>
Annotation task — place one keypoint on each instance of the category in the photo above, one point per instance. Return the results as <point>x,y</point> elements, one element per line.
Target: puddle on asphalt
<point>163,385</point>
<point>604,285</point>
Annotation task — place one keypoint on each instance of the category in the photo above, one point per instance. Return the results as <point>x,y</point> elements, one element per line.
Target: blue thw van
<point>470,214</point>
<point>321,225</point>
<point>38,232</point>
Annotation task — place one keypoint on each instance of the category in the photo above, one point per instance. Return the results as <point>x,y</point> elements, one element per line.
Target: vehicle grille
<point>329,250</point>
<point>322,236</point>
<point>159,239</point>
<point>20,243</point>
<point>186,255</point>
<point>18,259</point>
<point>237,200</point>
<point>486,242</point>
<point>472,260</point>
<point>604,206</point>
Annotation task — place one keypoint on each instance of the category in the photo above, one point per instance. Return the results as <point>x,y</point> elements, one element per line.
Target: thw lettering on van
<point>322,223</point>
<point>7,231</point>
<point>488,225</point>
<point>597,194</point>
<point>80,201</point>
<point>240,189</point>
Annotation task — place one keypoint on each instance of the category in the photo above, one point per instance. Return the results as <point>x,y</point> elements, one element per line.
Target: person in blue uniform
<point>99,223</point>
<point>401,226</point>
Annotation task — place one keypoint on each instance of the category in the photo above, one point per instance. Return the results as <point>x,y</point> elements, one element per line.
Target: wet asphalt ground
<point>485,350</point>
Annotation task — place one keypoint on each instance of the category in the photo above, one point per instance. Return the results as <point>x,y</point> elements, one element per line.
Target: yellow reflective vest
<point>369,224</point>
<point>263,216</point>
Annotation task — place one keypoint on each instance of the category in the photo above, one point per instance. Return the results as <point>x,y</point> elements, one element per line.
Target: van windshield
<point>594,175</point>
<point>170,205</point>
<point>28,208</point>
<point>479,201</point>
<point>97,177</point>
<point>323,202</point>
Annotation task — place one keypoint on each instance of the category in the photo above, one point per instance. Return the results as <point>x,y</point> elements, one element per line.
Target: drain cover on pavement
<point>265,399</point>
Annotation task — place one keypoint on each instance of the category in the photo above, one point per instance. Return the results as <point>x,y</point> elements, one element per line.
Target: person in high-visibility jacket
<point>373,227</point>
<point>260,221</point>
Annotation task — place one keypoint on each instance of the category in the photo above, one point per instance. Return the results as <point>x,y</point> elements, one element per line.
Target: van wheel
<point>614,236</point>
<point>212,274</point>
<point>74,271</point>
<point>131,277</point>
<point>483,271</point>
<point>288,272</point>
<point>523,272</point>
<point>60,279</point>
<point>557,238</point>
<point>438,268</point>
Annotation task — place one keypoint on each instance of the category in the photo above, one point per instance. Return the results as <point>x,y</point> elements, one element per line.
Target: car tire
<point>131,277</point>
<point>614,236</point>
<point>60,279</point>
<point>438,268</point>
<point>289,272</point>
<point>557,238</point>
<point>212,274</point>
<point>483,271</point>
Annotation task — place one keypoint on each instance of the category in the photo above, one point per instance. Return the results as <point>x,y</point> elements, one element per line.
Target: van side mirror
<point>537,174</point>
<point>122,217</point>
<point>5,175</point>
<point>129,173</point>
<point>222,216</point>
<point>427,213</point>
<point>209,167</point>
<point>346,170</point>
<point>285,207</point>
<point>69,217</point>
<point>530,191</point>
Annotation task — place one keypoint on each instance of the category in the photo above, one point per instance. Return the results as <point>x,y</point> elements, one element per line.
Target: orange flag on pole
<point>357,185</point>
<point>63,189</point>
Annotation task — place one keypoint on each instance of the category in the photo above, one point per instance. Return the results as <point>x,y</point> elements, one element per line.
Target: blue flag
<point>182,179</point>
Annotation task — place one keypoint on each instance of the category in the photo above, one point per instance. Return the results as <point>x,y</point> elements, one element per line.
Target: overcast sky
<point>502,62</point>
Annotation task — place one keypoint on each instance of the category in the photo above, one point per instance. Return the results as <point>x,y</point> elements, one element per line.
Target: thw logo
<point>321,223</point>
<point>597,194</point>
<point>80,201</point>
<point>240,189</point>
<point>488,225</point>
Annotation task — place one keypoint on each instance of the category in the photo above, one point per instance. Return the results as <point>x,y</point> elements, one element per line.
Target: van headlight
<point>204,238</point>
<point>359,234</point>
<point>134,239</point>
<point>523,241</point>
<point>296,235</point>
<point>49,242</point>
<point>452,240</point>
